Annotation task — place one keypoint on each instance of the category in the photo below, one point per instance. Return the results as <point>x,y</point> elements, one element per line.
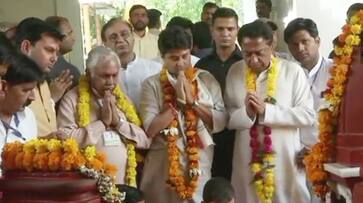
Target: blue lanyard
<point>7,127</point>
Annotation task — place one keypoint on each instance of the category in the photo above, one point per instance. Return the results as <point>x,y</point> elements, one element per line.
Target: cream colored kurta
<point>156,164</point>
<point>146,46</point>
<point>92,134</point>
<point>43,109</point>
<point>294,109</point>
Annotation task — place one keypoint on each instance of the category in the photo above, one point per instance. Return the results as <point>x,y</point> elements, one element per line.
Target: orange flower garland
<point>177,181</point>
<point>51,155</point>
<point>322,152</point>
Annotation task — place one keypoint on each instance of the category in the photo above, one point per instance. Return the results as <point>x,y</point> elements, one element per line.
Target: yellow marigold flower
<point>54,145</point>
<point>354,20</point>
<point>256,167</point>
<point>70,145</point>
<point>356,29</point>
<point>338,50</point>
<point>269,158</point>
<point>90,152</point>
<point>347,50</point>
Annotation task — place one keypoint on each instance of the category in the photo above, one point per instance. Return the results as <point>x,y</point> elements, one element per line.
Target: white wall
<point>329,15</point>
<point>16,10</point>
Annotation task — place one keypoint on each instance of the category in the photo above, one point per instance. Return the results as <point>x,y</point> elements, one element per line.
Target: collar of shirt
<point>133,62</point>
<point>315,69</point>
<point>13,126</point>
<point>235,54</point>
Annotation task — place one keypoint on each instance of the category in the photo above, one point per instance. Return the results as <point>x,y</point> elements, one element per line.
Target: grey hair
<point>100,54</point>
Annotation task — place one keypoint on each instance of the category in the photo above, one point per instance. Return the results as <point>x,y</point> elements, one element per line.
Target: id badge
<point>111,138</point>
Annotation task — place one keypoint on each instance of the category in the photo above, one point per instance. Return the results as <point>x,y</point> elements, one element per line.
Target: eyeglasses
<point>124,35</point>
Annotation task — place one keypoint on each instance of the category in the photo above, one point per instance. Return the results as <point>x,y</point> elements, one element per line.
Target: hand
<point>54,135</point>
<point>106,110</point>
<point>255,104</point>
<point>300,158</point>
<point>188,92</point>
<point>115,116</point>
<point>179,87</point>
<point>59,85</point>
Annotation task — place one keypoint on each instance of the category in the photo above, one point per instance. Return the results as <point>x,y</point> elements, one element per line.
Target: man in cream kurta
<point>108,137</point>
<point>156,171</point>
<point>33,37</point>
<point>293,109</point>
<point>146,44</point>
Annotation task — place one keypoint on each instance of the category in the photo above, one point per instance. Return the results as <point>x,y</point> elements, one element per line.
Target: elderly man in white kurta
<point>117,35</point>
<point>166,97</point>
<point>281,102</point>
<point>91,113</point>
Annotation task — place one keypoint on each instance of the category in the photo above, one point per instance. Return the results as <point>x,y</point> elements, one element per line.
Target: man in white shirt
<point>117,35</point>
<point>17,121</point>
<point>146,44</point>
<point>302,38</point>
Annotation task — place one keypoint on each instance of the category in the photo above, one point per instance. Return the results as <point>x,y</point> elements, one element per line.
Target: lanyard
<point>7,127</point>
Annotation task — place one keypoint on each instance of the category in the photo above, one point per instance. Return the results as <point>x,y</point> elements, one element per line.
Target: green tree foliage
<point>185,8</point>
<point>190,9</point>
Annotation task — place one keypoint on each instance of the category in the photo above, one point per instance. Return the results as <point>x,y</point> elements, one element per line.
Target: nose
<point>54,58</point>
<point>254,58</point>
<point>110,81</point>
<point>301,47</point>
<point>32,95</point>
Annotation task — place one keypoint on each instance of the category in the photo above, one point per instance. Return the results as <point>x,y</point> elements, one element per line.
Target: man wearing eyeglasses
<point>117,35</point>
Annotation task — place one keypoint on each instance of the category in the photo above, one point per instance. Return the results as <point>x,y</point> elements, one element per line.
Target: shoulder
<point>152,80</point>
<point>71,95</point>
<point>149,63</point>
<point>236,68</point>
<point>206,76</point>
<point>27,114</point>
<point>204,61</point>
<point>151,36</point>
<point>289,67</point>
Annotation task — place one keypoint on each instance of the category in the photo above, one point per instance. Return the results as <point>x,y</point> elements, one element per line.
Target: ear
<point>4,85</point>
<point>317,40</point>
<point>25,47</point>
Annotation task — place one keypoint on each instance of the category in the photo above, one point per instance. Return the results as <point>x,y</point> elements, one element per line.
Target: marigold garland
<point>262,161</point>
<point>55,155</point>
<point>83,109</point>
<point>177,181</point>
<point>322,152</point>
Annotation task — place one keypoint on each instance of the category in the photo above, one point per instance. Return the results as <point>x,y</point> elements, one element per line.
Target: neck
<point>310,65</point>
<point>140,33</point>
<point>126,59</point>
<point>225,52</point>
<point>5,116</point>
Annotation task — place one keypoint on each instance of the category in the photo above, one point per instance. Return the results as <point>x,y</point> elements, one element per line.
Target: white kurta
<point>294,109</point>
<point>136,72</point>
<point>156,168</point>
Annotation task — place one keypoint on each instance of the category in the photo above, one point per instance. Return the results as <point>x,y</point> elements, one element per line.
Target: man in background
<point>225,53</point>
<point>154,21</point>
<point>146,44</point>
<point>62,66</point>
